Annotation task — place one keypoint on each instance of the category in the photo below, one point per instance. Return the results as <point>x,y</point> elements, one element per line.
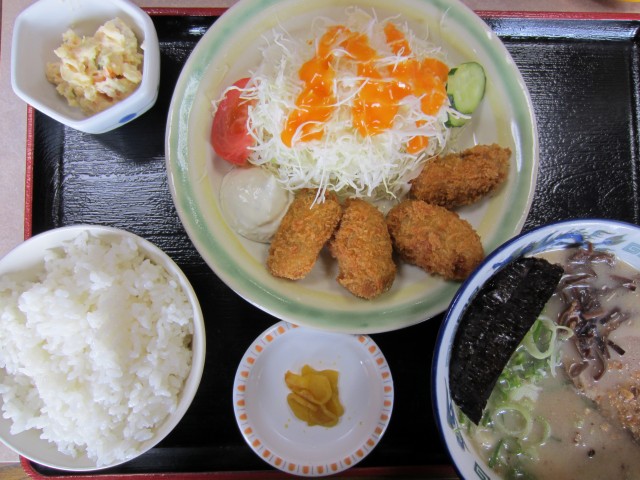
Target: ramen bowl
<point>621,239</point>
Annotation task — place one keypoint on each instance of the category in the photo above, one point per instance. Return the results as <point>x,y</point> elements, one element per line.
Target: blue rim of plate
<point>254,434</point>
<point>561,234</point>
<point>272,295</point>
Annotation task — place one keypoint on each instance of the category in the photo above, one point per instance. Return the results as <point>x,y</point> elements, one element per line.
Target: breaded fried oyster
<point>435,239</point>
<point>459,179</point>
<point>304,230</point>
<point>363,248</point>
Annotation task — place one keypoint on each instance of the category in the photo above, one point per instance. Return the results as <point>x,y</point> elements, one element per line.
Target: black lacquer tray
<point>583,73</point>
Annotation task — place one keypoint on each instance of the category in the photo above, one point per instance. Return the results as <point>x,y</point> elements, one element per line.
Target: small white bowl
<point>622,239</point>
<point>24,263</point>
<point>38,32</point>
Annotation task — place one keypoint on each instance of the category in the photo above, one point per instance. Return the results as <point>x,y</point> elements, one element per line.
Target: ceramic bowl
<point>25,263</point>
<point>230,49</point>
<point>269,426</point>
<point>620,238</point>
<point>38,32</point>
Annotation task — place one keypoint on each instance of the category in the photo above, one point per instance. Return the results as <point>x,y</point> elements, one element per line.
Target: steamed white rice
<point>94,353</point>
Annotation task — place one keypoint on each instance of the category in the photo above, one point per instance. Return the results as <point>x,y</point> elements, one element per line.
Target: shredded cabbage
<point>376,166</point>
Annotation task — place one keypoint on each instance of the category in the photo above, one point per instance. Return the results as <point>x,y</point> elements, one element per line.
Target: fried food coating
<point>435,239</point>
<point>363,248</point>
<point>302,233</point>
<point>459,179</point>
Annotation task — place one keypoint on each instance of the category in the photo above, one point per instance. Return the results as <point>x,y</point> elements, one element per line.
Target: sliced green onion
<point>546,429</point>
<point>493,460</point>
<point>531,345</point>
<point>553,359</point>
<point>507,409</point>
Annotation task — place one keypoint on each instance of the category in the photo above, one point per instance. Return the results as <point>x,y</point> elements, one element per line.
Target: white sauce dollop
<point>253,203</point>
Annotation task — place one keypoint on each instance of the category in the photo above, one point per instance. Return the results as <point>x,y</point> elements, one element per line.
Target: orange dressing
<point>377,103</point>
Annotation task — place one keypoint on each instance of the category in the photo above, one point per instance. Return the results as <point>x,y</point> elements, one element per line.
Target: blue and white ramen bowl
<point>622,239</point>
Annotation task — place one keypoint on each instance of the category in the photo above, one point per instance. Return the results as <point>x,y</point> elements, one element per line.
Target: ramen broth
<point>583,440</point>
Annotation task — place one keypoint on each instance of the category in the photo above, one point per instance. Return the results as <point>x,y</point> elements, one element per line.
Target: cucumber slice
<point>465,87</point>
<point>455,121</point>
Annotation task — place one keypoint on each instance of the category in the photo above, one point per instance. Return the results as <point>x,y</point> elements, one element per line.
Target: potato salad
<point>95,72</point>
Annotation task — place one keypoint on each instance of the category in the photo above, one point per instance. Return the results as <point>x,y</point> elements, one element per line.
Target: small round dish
<point>230,49</point>
<point>27,263</point>
<point>619,238</point>
<point>270,427</point>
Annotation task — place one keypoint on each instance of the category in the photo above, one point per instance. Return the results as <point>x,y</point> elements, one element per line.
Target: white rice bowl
<point>101,347</point>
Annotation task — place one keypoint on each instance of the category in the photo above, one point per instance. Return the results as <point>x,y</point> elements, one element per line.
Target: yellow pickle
<point>314,396</point>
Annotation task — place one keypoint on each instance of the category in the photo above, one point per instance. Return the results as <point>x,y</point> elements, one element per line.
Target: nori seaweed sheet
<point>493,325</point>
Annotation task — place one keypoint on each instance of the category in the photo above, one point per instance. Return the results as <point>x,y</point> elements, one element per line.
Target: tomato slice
<point>229,136</point>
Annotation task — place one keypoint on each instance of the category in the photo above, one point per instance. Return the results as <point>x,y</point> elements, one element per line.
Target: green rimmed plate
<point>230,49</point>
